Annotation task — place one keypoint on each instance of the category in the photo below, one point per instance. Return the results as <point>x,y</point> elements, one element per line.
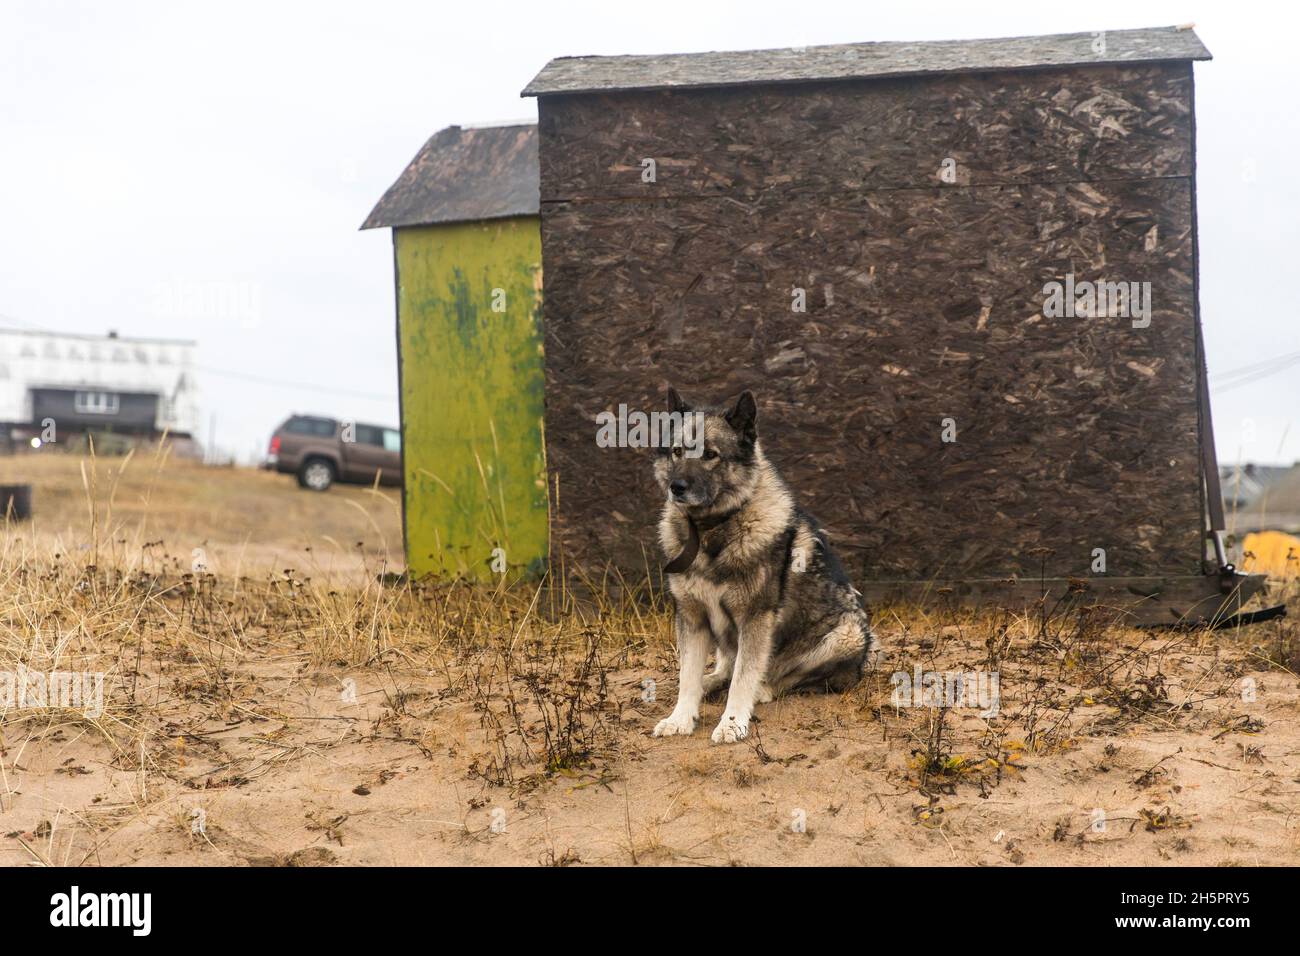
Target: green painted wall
<point>472,394</point>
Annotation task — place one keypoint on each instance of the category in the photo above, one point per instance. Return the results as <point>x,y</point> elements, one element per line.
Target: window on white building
<point>96,403</point>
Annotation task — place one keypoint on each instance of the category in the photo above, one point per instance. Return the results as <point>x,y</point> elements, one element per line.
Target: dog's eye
<point>677,451</point>
<point>710,454</point>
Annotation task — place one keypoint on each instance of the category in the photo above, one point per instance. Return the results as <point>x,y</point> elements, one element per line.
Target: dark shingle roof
<point>1280,492</point>
<point>461,175</point>
<point>598,74</point>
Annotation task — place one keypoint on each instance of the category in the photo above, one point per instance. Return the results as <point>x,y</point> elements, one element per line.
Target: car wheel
<point>316,474</point>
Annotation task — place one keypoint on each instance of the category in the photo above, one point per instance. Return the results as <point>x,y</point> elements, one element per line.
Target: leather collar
<point>691,549</point>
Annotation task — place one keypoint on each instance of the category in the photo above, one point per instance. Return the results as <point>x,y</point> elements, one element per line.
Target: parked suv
<point>321,451</point>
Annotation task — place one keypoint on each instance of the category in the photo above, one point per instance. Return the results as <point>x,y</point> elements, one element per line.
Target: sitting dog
<point>752,576</point>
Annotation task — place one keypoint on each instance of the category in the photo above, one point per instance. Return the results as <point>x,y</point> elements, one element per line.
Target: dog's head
<point>712,460</point>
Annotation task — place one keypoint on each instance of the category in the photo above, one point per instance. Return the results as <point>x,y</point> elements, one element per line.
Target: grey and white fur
<point>752,576</point>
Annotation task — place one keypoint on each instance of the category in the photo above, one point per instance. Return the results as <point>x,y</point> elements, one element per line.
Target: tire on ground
<point>316,474</point>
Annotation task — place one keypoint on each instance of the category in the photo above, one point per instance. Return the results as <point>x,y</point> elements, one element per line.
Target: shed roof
<point>849,61</point>
<point>465,174</point>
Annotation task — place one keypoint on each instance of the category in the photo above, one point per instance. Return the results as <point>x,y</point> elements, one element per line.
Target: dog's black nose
<point>678,487</point>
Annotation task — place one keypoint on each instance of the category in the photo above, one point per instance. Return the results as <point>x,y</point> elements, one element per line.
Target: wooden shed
<point>467,268</point>
<point>889,243</point>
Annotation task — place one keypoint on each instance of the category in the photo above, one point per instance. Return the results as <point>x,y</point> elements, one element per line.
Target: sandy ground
<point>280,768</point>
<point>278,721</point>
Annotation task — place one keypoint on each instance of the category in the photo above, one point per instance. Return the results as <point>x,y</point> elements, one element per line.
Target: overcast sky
<point>199,170</point>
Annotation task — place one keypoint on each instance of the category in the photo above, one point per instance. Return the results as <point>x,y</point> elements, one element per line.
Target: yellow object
<point>1271,552</point>
<point>469,330</point>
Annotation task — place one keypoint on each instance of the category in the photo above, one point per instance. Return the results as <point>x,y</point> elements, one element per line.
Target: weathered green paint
<point>472,396</point>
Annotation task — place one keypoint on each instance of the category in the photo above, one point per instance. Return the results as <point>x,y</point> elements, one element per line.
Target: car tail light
<point>275,444</point>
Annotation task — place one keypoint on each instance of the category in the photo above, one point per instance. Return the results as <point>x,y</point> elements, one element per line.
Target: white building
<point>80,383</point>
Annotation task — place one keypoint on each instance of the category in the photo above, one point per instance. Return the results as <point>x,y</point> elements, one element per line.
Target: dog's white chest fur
<point>694,587</point>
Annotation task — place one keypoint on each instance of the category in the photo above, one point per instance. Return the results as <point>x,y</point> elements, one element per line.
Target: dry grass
<point>126,511</point>
<point>406,721</point>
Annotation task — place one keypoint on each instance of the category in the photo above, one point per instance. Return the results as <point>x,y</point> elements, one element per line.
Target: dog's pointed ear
<point>743,417</point>
<point>675,403</point>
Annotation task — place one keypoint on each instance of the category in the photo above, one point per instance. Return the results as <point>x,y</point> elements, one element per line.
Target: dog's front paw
<point>675,725</point>
<point>730,729</point>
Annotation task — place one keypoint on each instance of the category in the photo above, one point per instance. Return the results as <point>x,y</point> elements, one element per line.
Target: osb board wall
<point>837,138</point>
<point>1072,433</point>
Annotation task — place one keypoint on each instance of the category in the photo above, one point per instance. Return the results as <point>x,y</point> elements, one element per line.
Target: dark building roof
<point>1279,491</point>
<point>602,74</point>
<point>1244,484</point>
<point>461,175</point>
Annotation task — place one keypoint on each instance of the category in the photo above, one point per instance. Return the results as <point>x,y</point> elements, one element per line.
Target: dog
<point>752,576</point>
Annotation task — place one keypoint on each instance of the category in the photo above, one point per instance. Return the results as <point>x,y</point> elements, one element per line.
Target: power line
<point>1250,374</point>
<point>280,383</point>
<point>1258,366</point>
<point>1222,381</point>
<point>241,376</point>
